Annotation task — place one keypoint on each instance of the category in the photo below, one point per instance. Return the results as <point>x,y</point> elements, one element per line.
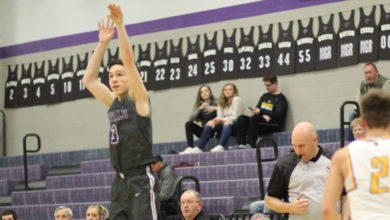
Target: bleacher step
<point>241,211</point>
<point>66,170</point>
<point>245,208</point>
<point>32,185</point>
<point>5,200</point>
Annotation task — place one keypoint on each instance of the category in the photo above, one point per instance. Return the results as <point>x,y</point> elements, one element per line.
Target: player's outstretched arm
<point>333,187</point>
<point>90,79</point>
<point>137,90</point>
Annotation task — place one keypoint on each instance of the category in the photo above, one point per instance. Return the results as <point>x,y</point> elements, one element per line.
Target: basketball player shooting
<point>133,190</point>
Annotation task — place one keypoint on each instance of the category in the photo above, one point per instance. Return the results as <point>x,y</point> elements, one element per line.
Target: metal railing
<point>178,187</point>
<point>343,122</point>
<point>259,143</point>
<point>25,151</point>
<point>4,137</point>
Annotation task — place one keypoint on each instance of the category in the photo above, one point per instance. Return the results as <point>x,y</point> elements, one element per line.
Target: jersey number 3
<point>114,134</point>
<point>382,164</point>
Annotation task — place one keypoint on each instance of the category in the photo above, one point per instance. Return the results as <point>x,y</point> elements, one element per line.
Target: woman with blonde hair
<point>97,212</point>
<point>204,110</point>
<point>230,106</point>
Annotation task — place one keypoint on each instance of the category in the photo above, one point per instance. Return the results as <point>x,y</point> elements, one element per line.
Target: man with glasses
<point>191,205</point>
<point>268,115</point>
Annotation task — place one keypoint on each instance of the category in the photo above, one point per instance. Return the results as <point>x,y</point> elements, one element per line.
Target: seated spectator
<point>205,108</point>
<point>372,80</point>
<point>191,205</point>
<point>357,129</point>
<point>230,106</point>
<point>9,214</point>
<point>63,213</point>
<point>268,115</point>
<point>259,207</point>
<point>259,216</point>
<point>97,212</point>
<point>168,184</point>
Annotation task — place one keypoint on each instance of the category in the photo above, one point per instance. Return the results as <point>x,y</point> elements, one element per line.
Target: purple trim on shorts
<point>152,194</point>
<point>164,24</point>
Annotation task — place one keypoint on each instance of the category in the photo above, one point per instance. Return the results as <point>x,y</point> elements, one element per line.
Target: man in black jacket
<point>169,179</point>
<point>268,115</point>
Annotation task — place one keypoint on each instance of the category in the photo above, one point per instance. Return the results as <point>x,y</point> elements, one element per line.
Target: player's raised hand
<point>106,31</point>
<point>115,14</point>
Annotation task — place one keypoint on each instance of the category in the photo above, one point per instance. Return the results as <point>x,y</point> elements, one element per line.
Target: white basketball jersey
<point>368,180</point>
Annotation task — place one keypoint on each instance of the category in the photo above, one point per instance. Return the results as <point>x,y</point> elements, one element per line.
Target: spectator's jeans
<point>191,129</point>
<point>225,130</point>
<point>259,207</point>
<point>258,125</point>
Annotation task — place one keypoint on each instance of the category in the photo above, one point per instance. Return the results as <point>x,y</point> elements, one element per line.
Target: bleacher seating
<point>227,179</point>
<point>70,158</point>
<point>6,185</point>
<point>59,196</point>
<point>10,176</point>
<point>35,172</point>
<point>80,180</point>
